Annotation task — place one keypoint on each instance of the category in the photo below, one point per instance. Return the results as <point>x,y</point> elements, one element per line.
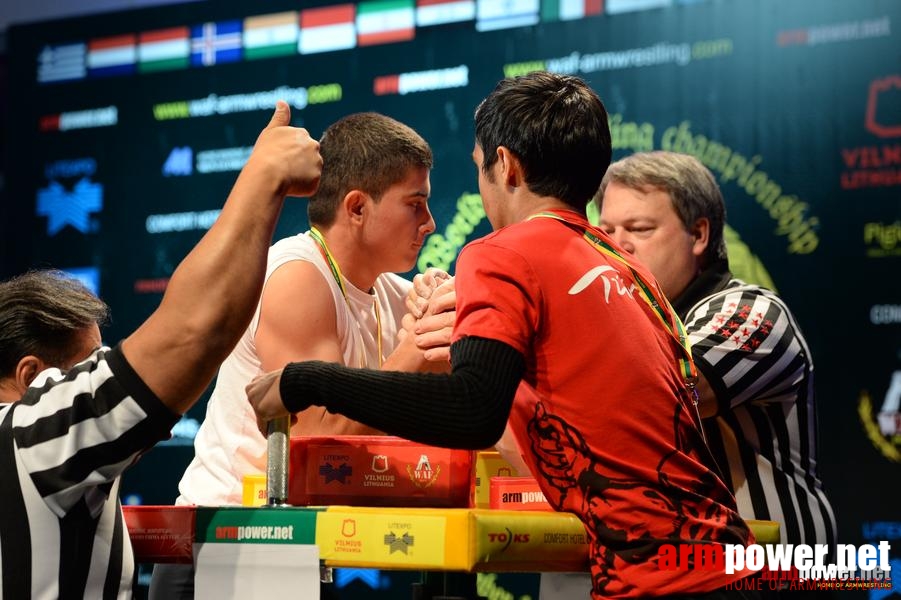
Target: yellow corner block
<point>489,464</point>
<point>254,490</point>
<point>765,532</point>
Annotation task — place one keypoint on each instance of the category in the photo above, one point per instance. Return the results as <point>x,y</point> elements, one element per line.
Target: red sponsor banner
<point>517,493</point>
<point>161,534</point>
<point>377,471</point>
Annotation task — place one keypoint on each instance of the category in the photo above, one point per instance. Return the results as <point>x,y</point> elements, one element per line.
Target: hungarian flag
<point>164,49</point>
<point>326,29</point>
<point>271,35</point>
<point>385,21</point>
<point>439,12</point>
<point>114,55</point>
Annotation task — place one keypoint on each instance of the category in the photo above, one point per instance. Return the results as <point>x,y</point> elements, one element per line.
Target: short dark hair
<point>558,129</point>
<point>690,185</point>
<point>41,314</point>
<point>364,151</point>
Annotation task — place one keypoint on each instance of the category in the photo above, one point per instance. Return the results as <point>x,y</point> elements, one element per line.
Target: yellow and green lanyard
<point>660,306</point>
<point>336,273</point>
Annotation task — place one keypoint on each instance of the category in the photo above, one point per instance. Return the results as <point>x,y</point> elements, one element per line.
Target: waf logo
<point>349,527</point>
<point>883,427</point>
<point>506,538</point>
<point>423,475</point>
<point>330,473</point>
<point>397,543</point>
<point>877,165</point>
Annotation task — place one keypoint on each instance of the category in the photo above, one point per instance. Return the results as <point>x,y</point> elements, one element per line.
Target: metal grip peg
<point>277,436</point>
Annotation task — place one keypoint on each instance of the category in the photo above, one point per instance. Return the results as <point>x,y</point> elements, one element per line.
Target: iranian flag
<point>385,21</point>
<point>326,29</point>
<point>164,49</point>
<point>270,35</point>
<point>438,12</point>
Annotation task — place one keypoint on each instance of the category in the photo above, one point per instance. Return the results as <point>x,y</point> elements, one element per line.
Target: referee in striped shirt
<point>69,427</point>
<point>756,371</point>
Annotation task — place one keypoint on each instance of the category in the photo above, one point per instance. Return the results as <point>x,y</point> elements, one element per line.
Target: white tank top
<point>228,445</point>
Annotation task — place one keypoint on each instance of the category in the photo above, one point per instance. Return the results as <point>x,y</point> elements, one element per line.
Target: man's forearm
<point>467,408</point>
<point>214,291</point>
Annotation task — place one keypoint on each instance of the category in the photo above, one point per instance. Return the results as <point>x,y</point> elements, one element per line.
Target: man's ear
<point>27,369</point>
<point>354,205</point>
<point>701,233</point>
<point>511,171</point>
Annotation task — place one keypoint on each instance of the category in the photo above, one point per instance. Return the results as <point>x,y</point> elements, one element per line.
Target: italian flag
<point>270,35</point>
<point>384,21</point>
<point>438,12</point>
<point>328,28</point>
<point>164,49</point>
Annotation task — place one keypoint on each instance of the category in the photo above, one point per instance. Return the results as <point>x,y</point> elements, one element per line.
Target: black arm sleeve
<point>467,408</point>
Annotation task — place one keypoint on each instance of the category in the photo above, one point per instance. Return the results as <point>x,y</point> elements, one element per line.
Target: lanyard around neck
<point>336,273</point>
<point>660,306</point>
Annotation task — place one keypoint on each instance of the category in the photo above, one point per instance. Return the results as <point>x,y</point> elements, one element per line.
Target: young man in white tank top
<point>330,294</point>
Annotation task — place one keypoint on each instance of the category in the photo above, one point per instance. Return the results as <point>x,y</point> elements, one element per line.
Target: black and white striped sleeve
<point>75,432</point>
<point>747,345</point>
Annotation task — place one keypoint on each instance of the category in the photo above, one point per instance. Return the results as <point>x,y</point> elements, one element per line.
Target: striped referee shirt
<point>62,449</point>
<point>764,436</point>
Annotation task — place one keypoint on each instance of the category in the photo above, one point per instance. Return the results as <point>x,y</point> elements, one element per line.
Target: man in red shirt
<point>551,313</point>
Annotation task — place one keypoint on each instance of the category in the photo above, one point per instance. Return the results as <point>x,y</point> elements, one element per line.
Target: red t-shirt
<point>602,413</point>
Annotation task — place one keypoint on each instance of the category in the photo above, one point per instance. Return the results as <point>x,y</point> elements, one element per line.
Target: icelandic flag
<point>62,63</point>
<point>215,43</point>
<point>114,55</point>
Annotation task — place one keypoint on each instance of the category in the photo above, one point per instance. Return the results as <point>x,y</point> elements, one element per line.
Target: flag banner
<point>570,10</point>
<point>62,63</point>
<point>439,12</point>
<point>164,49</point>
<point>385,21</point>
<point>266,36</point>
<point>504,14</point>
<point>114,55</point>
<point>215,43</point>
<point>621,6</point>
<point>326,29</point>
